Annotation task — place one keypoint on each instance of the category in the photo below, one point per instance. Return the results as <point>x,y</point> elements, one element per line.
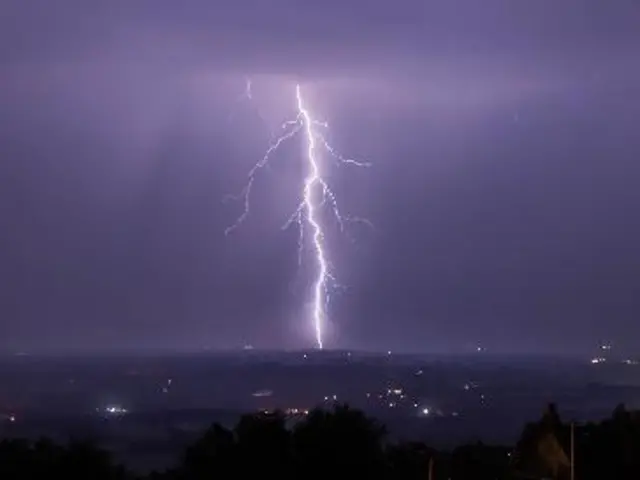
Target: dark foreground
<point>146,410</point>
<point>344,442</point>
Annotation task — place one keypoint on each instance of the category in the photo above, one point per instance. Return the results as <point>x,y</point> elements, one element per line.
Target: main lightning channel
<point>308,209</point>
<point>320,287</point>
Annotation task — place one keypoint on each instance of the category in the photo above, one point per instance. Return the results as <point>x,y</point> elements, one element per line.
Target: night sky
<point>504,138</point>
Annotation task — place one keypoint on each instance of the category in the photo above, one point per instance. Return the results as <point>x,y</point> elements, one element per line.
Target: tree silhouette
<point>411,461</point>
<point>610,449</point>
<point>480,462</point>
<point>21,460</point>
<point>540,450</point>
<point>344,441</point>
<point>264,446</point>
<point>339,442</point>
<point>214,452</point>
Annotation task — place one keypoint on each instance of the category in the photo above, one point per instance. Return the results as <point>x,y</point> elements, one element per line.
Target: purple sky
<point>504,192</point>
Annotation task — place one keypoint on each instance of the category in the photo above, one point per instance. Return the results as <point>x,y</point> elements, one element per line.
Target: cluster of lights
<point>296,411</point>
<point>292,411</point>
<point>605,348</point>
<point>113,410</point>
<point>393,398</point>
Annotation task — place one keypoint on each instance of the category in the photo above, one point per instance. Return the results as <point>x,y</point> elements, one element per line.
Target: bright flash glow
<point>307,214</point>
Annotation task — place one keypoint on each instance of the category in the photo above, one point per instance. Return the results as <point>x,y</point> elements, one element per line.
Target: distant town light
<point>115,410</point>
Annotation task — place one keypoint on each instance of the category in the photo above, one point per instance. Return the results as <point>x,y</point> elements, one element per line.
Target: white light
<point>115,410</point>
<point>425,411</point>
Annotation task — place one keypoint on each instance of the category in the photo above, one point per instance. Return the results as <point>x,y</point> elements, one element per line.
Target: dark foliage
<point>609,449</point>
<point>21,460</point>
<point>345,442</point>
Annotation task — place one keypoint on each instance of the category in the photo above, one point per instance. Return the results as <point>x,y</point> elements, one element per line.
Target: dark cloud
<point>315,35</point>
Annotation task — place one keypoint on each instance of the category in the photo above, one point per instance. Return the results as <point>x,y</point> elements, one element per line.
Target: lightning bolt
<point>247,97</point>
<point>307,214</point>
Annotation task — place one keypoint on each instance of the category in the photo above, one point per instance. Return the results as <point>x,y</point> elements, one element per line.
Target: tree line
<point>347,443</point>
